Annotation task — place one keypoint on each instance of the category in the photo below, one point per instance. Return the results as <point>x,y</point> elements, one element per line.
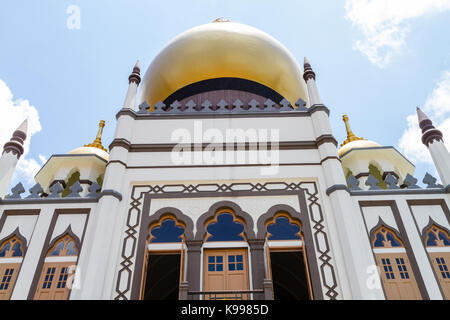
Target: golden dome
<point>223,49</point>
<point>357,144</point>
<point>96,146</point>
<point>354,142</point>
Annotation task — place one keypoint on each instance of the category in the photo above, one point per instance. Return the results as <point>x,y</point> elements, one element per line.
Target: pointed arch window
<point>59,267</point>
<point>12,251</point>
<point>437,241</point>
<point>397,277</point>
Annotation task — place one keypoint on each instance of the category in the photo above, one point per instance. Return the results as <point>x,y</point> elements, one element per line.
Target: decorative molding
<point>110,192</point>
<point>336,187</point>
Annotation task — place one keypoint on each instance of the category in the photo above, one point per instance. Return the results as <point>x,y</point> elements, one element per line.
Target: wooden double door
<point>225,270</point>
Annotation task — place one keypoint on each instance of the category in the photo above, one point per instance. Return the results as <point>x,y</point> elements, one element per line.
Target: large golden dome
<point>219,50</point>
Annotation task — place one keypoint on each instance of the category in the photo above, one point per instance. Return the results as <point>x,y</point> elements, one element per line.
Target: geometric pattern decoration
<point>129,242</point>
<point>64,247</point>
<point>225,229</point>
<point>437,237</point>
<point>283,229</point>
<point>168,231</point>
<point>385,238</point>
<point>11,247</point>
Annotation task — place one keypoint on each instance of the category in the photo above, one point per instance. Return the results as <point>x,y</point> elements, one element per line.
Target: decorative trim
<point>326,138</point>
<point>336,187</point>
<point>208,215</point>
<point>318,107</point>
<point>110,192</point>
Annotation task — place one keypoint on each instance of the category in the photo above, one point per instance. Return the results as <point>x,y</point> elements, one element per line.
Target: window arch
<point>437,242</point>
<point>283,227</point>
<point>60,263</point>
<point>12,251</point>
<point>167,230</point>
<point>225,226</point>
<point>395,269</point>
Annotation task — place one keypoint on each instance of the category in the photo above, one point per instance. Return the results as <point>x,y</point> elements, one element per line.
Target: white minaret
<point>432,139</point>
<point>354,250</point>
<point>134,79</point>
<point>108,218</point>
<point>12,151</point>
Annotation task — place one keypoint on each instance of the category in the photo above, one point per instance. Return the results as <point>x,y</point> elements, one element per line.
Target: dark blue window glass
<point>239,258</point>
<point>282,229</point>
<point>219,267</point>
<point>167,232</point>
<point>211,259</point>
<point>231,258</point>
<point>4,249</point>
<point>211,267</point>
<point>231,266</point>
<point>225,229</point>
<point>219,259</point>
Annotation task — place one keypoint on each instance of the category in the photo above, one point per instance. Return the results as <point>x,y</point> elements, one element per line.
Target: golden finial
<point>98,140</point>
<point>221,20</point>
<point>350,136</point>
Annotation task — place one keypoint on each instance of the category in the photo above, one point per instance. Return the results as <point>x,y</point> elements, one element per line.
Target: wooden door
<point>8,276</point>
<point>225,270</point>
<point>441,263</point>
<point>53,283</point>
<point>398,279</point>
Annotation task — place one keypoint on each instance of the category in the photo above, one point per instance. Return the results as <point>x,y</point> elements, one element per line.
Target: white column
<point>8,162</point>
<point>441,159</point>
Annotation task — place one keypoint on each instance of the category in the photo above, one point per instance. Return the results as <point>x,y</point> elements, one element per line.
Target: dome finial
<point>221,19</point>
<point>350,135</point>
<point>98,140</point>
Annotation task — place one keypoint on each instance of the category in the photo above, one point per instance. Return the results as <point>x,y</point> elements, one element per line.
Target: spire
<point>135,76</point>
<point>15,144</point>
<point>350,135</point>
<point>429,132</point>
<point>98,139</point>
<point>308,71</point>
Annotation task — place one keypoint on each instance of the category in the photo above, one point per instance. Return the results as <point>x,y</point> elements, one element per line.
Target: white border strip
<point>389,250</point>
<point>61,259</point>
<point>177,246</point>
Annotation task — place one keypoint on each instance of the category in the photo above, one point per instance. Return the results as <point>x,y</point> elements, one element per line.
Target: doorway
<point>163,276</point>
<point>289,275</point>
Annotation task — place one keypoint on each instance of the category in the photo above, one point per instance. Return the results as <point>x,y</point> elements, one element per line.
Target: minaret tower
<point>12,151</point>
<point>134,79</point>
<point>432,139</point>
<point>352,244</point>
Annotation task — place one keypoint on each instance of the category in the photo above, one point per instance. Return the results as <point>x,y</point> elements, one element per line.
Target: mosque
<point>224,181</point>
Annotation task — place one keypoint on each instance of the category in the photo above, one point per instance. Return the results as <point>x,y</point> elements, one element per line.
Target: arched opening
<point>397,277</point>
<point>164,261</point>
<point>225,257</point>
<point>72,177</point>
<point>437,241</point>
<point>11,257</point>
<point>59,266</point>
<point>286,258</point>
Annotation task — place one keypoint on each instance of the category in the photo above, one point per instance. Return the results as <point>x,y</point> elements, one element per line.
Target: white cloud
<point>12,113</point>
<point>386,23</point>
<point>437,108</point>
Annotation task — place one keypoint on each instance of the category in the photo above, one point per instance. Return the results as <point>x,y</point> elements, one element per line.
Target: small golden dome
<point>354,142</point>
<point>91,150</point>
<point>218,50</point>
<point>357,144</point>
<point>96,146</point>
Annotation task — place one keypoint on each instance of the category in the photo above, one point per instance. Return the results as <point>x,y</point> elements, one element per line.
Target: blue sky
<point>374,63</point>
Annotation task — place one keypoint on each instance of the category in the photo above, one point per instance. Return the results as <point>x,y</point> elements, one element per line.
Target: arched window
<point>11,257</point>
<point>395,269</point>
<point>225,255</point>
<point>285,246</point>
<point>164,266</point>
<point>73,177</point>
<point>59,265</point>
<point>437,241</point>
